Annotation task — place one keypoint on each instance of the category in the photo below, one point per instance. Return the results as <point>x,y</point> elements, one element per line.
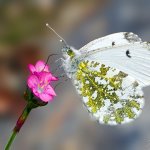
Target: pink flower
<point>40,86</point>
<point>39,81</point>
<point>40,66</point>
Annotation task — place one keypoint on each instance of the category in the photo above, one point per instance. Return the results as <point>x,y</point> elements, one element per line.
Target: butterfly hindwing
<point>110,95</point>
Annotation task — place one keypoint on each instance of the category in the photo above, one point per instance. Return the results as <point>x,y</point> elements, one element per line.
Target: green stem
<point>12,137</point>
<point>19,124</point>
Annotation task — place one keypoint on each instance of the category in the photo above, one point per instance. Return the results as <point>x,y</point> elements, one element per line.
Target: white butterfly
<point>109,74</point>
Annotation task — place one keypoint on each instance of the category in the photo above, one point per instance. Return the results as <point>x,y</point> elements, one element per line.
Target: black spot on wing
<point>128,53</point>
<point>113,43</point>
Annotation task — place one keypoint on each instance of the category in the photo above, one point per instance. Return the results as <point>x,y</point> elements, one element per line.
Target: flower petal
<point>33,81</point>
<point>49,90</point>
<point>45,97</point>
<point>46,68</point>
<point>40,66</point>
<point>54,78</point>
<point>45,77</point>
<point>36,93</point>
<point>31,68</point>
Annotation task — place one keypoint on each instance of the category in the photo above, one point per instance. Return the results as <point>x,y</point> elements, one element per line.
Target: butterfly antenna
<point>60,38</point>
<point>48,59</point>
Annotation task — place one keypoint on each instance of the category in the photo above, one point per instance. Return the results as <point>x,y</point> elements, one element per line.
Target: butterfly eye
<point>70,53</point>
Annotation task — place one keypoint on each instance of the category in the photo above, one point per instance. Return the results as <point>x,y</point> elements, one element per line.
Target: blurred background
<point>64,124</point>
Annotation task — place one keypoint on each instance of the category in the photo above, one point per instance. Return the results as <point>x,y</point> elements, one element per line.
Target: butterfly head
<point>68,52</point>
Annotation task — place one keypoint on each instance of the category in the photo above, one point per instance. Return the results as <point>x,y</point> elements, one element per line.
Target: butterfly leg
<point>61,60</point>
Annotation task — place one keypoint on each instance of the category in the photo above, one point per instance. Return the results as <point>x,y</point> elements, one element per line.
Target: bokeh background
<point>64,124</point>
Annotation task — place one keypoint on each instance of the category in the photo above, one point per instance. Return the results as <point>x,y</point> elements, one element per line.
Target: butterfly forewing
<point>127,53</point>
<point>112,40</point>
<point>110,95</point>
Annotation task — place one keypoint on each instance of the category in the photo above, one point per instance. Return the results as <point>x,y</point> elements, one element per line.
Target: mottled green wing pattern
<point>111,96</point>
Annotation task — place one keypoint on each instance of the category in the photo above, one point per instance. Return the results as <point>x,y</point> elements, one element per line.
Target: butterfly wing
<point>110,95</point>
<point>124,51</point>
<point>116,39</point>
<point>110,76</point>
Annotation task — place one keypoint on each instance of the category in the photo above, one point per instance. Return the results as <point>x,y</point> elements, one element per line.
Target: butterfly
<point>109,74</point>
